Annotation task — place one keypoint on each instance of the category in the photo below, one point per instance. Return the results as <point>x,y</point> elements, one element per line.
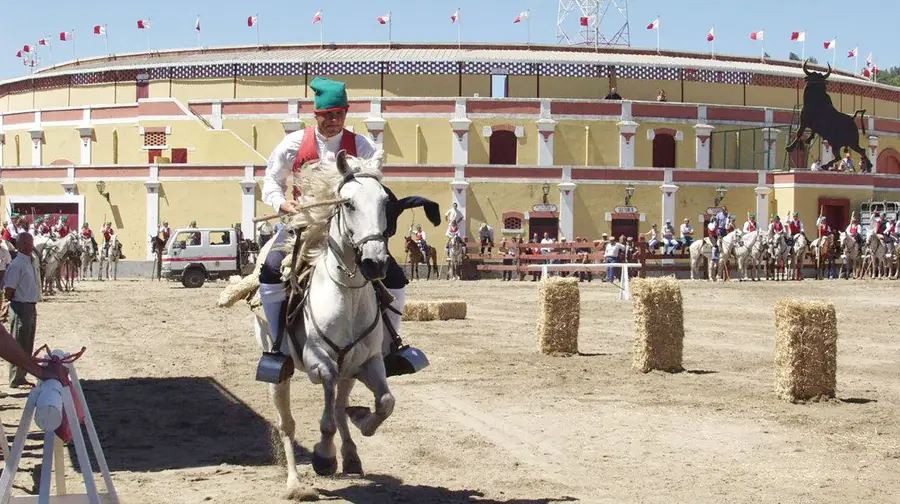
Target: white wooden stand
<point>624,289</point>
<point>53,453</point>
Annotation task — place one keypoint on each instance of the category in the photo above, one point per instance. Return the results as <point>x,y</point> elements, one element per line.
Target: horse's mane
<point>318,181</point>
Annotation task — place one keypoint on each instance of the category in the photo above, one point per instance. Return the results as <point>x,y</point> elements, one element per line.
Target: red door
<point>663,151</point>
<point>143,90</point>
<point>503,148</point>
<point>626,227</point>
<point>836,212</point>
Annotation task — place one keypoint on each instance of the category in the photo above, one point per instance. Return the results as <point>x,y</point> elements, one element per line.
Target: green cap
<point>39,219</point>
<point>15,215</point>
<point>796,214</point>
<point>65,218</point>
<point>753,215</point>
<point>776,217</point>
<point>330,95</point>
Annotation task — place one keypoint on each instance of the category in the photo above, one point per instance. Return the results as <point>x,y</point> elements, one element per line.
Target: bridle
<point>347,237</point>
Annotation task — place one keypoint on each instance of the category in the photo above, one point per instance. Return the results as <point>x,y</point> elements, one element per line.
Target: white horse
<point>88,256</point>
<point>455,257</point>
<point>877,256</point>
<point>797,256</point>
<point>110,256</point>
<point>56,254</point>
<point>779,252</point>
<point>744,252</point>
<point>703,248</point>
<point>852,255</point>
<point>342,338</point>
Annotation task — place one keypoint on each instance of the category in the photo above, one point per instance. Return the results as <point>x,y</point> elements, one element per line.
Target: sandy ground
<point>170,380</point>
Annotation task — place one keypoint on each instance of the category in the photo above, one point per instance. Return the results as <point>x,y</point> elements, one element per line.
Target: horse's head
<point>362,218</point>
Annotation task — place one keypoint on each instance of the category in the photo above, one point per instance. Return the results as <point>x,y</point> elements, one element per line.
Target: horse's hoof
<point>301,493</point>
<point>353,466</point>
<point>324,466</point>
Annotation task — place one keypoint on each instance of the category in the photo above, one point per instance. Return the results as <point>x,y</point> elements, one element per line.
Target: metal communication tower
<point>593,23</point>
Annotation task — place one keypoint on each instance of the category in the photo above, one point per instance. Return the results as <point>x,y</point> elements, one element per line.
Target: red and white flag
<point>19,55</point>
<point>654,25</point>
<point>455,17</point>
<point>852,54</point>
<point>588,20</point>
<point>869,60</point>
<point>65,36</point>
<point>317,17</point>
<point>99,30</point>
<point>252,20</point>
<point>383,19</point>
<point>758,35</point>
<point>831,44</point>
<point>143,25</point>
<point>521,17</point>
<point>44,41</point>
<point>197,24</point>
<point>711,35</point>
<point>798,36</point>
<point>26,49</point>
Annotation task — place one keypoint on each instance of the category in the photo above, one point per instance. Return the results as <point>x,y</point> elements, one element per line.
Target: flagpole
<point>855,61</point>
<point>199,40</point>
<point>657,33</point>
<point>50,49</point>
<point>390,24</point>
<point>803,47</point>
<point>149,36</point>
<point>322,29</point>
<point>73,45</point>
<point>257,29</point>
<point>528,26</point>
<point>762,45</point>
<point>458,30</point>
<point>714,42</point>
<point>834,55</point>
<point>106,37</point>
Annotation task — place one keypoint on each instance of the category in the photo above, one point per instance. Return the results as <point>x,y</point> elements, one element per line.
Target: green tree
<point>890,76</point>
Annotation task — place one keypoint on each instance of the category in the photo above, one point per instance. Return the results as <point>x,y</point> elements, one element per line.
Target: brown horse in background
<point>414,258</point>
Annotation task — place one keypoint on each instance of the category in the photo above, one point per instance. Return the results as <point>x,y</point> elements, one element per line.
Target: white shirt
<point>281,163</point>
<point>5,258</point>
<point>613,248</point>
<point>748,224</point>
<point>547,250</point>
<point>686,230</point>
<point>20,275</point>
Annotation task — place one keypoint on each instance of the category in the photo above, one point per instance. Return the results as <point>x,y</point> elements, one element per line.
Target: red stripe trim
<point>198,259</point>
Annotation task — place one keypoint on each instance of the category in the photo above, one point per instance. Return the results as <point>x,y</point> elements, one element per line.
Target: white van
<point>194,255</point>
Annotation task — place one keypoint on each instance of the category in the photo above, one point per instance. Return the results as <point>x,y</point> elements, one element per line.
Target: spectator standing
<point>613,249</point>
<point>21,287</point>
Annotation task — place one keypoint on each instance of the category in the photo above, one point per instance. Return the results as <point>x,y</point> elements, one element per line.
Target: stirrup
<point>405,360</point>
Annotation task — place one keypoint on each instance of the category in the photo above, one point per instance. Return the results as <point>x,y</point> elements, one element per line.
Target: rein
<point>346,237</point>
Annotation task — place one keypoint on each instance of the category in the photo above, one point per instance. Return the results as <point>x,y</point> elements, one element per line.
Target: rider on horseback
<point>854,230</point>
<point>776,228</point>
<point>62,228</point>
<point>324,140</point>
<point>420,239</point>
<point>795,227</point>
<point>87,234</point>
<point>751,225</point>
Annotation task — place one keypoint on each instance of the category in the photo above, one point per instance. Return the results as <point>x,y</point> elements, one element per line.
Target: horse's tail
<point>244,289</point>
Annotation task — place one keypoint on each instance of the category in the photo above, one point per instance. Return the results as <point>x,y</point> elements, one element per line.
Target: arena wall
<point>180,202</point>
<point>184,90</point>
<point>593,88</point>
<point>293,86</point>
<point>421,85</point>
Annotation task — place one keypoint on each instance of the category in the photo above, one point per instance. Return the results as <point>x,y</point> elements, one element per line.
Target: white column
<point>826,155</point>
<point>668,190</point>
<point>546,129</point>
<point>703,133</point>
<point>293,122</point>
<point>460,192</point>
<point>770,141</point>
<point>567,210</point>
<point>37,146</point>
<point>86,134</point>
<point>627,130</point>
<point>248,203</point>
<point>216,120</point>
<point>460,140</point>
<point>762,200</point>
<point>69,184</point>
<point>152,185</point>
<point>873,152</point>
<point>376,125</point>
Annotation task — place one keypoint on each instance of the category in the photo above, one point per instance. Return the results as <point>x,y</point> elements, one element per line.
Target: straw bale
<point>417,311</point>
<point>658,324</point>
<point>234,292</point>
<point>805,350</point>
<point>559,317</point>
<point>447,309</point>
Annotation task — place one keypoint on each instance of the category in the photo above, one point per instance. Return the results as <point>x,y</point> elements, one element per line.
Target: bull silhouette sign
<point>819,115</point>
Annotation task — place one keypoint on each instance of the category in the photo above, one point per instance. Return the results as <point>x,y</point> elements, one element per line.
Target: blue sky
<point>684,24</point>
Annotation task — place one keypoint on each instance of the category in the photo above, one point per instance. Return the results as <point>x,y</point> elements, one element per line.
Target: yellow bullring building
<point>520,137</point>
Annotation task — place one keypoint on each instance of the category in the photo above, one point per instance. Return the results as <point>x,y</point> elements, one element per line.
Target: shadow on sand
<point>388,490</point>
<point>153,424</point>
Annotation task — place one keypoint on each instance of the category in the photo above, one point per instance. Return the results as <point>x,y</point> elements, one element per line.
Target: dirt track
<point>169,379</point>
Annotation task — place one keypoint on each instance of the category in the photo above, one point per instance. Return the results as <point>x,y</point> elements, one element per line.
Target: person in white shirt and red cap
<point>324,141</point>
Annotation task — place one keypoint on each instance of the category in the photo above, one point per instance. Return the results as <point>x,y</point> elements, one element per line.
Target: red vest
<point>44,229</point>
<point>63,231</point>
<point>419,236</point>
<point>86,232</point>
<point>6,235</point>
<point>107,233</point>
<point>795,227</point>
<point>777,226</point>
<point>752,227</point>
<point>879,227</point>
<point>854,228</point>
<point>308,151</point>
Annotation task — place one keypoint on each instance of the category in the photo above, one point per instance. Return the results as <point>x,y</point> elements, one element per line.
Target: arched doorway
<point>503,147</point>
<point>889,162</point>
<point>663,151</point>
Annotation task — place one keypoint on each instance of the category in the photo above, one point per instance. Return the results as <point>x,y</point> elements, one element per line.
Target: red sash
<point>63,231</point>
<point>107,233</point>
<point>751,227</point>
<point>778,227</point>
<point>854,229</point>
<point>795,227</point>
<point>86,233</point>
<point>308,151</point>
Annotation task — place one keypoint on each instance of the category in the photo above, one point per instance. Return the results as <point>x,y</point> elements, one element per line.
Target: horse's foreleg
<point>324,454</point>
<point>349,456</point>
<point>373,375</point>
